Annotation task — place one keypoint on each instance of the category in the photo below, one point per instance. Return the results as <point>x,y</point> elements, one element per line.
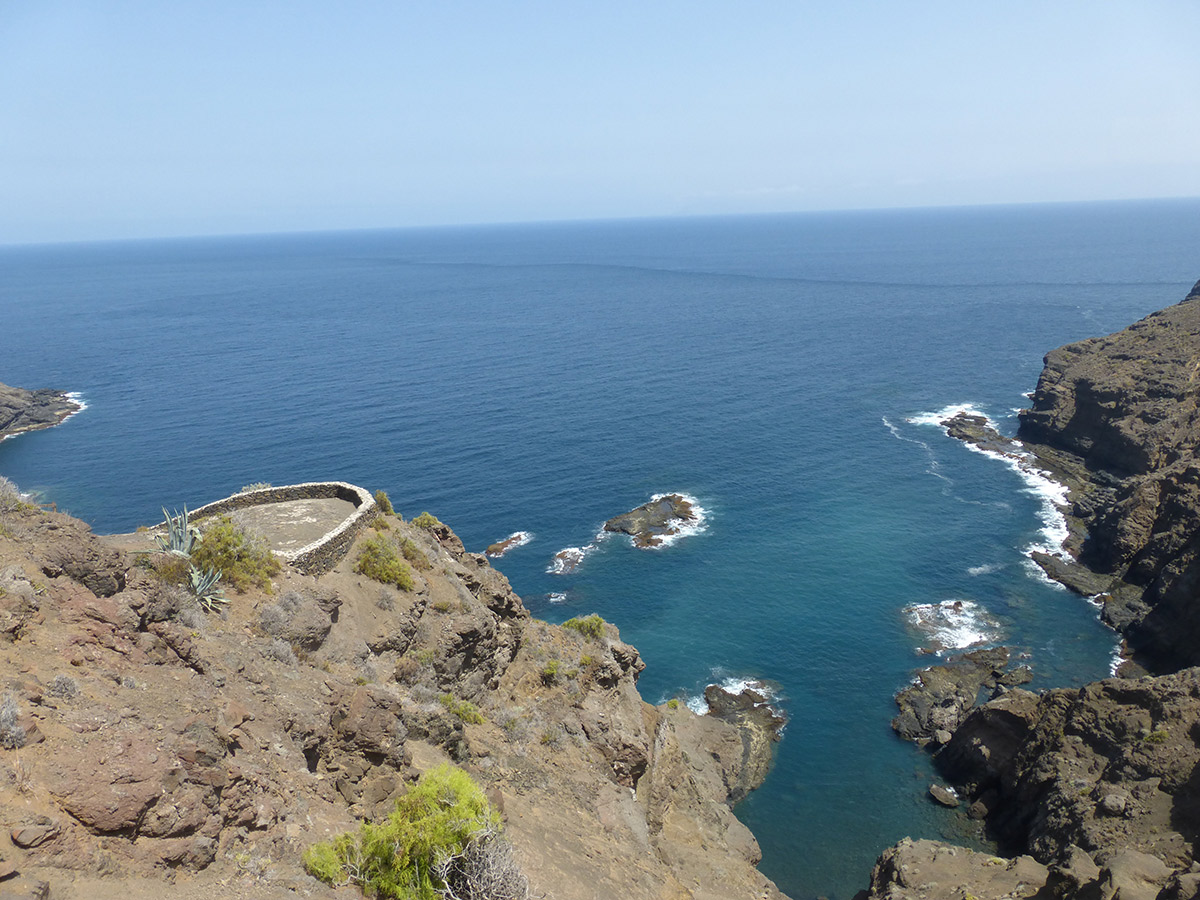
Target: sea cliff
<point>1095,792</point>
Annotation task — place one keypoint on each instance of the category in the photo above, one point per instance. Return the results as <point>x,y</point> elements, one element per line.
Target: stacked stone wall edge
<point>324,553</point>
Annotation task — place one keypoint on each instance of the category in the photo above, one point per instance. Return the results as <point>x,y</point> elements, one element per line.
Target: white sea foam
<point>76,397</point>
<point>568,559</point>
<point>934,468</point>
<point>681,528</point>
<point>946,412</point>
<point>1053,495</point>
<point>984,570</point>
<point>953,624</point>
<point>556,597</point>
<point>1117,658</point>
<point>735,684</point>
<point>513,541</point>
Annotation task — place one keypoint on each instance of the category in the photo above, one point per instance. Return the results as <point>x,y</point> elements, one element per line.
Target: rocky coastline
<point>1091,792</point>
<point>24,410</point>
<point>149,748</point>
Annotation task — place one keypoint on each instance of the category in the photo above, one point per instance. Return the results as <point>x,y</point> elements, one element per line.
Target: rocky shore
<point>148,748</point>
<point>1090,792</point>
<point>23,410</point>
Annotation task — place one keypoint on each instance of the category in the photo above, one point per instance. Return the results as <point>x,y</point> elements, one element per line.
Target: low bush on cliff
<point>442,840</point>
<point>10,496</point>
<point>379,561</point>
<point>414,554</point>
<point>427,520</point>
<point>589,626</point>
<point>241,558</point>
<point>384,503</point>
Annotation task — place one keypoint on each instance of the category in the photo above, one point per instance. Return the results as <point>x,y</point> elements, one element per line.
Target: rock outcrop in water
<point>22,410</point>
<point>148,749</point>
<point>652,523</point>
<point>760,725</point>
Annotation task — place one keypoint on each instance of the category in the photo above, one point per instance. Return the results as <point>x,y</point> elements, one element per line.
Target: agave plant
<point>204,586</point>
<point>181,537</point>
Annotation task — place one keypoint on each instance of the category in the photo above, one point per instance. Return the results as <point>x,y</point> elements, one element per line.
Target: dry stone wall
<point>324,553</point>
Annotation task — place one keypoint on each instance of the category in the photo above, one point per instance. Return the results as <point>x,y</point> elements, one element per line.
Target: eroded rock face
<point>941,696</point>
<point>1124,409</point>
<point>935,871</point>
<point>1114,765</point>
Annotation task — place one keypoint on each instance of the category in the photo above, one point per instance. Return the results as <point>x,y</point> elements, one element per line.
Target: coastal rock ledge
<point>22,410</point>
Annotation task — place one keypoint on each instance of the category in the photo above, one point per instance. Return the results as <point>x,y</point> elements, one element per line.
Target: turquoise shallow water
<point>546,377</point>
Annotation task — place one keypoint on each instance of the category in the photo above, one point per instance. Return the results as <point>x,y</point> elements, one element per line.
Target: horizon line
<point>512,223</point>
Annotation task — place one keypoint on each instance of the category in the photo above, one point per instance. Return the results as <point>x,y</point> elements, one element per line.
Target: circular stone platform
<point>292,524</point>
<point>309,526</point>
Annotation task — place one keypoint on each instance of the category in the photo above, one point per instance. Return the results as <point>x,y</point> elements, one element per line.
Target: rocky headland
<point>23,410</point>
<point>1091,792</point>
<point>149,748</point>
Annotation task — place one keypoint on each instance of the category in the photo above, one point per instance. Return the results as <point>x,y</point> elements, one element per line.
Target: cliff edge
<point>1122,411</point>
<point>146,742</point>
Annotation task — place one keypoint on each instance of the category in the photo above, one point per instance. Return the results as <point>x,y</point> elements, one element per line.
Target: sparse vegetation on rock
<point>379,561</point>
<point>242,559</point>
<point>589,626</point>
<point>427,520</point>
<point>384,503</point>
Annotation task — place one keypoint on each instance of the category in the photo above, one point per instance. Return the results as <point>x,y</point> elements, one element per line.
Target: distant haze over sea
<point>779,370</point>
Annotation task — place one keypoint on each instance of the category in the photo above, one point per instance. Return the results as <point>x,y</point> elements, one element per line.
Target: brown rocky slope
<point>143,741</point>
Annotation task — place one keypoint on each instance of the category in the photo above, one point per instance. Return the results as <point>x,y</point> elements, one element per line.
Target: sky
<point>151,119</point>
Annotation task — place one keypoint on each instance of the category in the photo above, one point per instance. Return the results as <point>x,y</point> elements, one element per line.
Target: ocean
<point>780,370</point>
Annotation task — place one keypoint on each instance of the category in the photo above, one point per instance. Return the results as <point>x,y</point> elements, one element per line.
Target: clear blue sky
<point>128,119</point>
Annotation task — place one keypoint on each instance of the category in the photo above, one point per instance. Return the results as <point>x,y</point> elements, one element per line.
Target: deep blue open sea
<point>543,378</point>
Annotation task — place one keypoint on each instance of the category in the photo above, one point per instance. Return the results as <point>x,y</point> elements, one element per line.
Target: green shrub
<point>1158,736</point>
<point>379,561</point>
<point>464,709</point>
<point>414,554</point>
<point>426,520</point>
<point>384,503</point>
<point>550,671</point>
<point>399,857</point>
<point>673,703</point>
<point>380,525</point>
<point>241,558</point>
<point>589,626</point>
